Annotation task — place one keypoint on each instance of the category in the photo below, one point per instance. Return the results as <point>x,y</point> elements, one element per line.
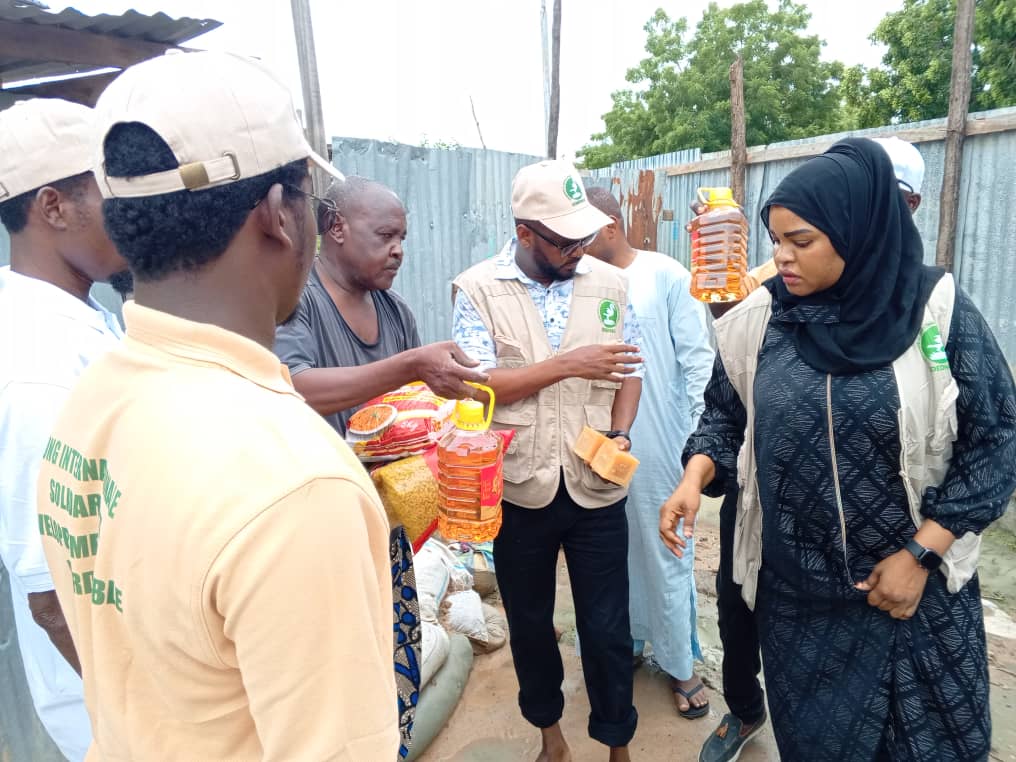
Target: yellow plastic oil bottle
<point>719,248</point>
<point>470,461</point>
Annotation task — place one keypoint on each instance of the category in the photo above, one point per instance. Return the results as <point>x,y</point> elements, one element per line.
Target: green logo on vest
<point>609,314</point>
<point>933,349</point>
<point>574,191</point>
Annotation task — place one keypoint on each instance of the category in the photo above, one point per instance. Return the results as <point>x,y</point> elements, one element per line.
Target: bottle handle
<point>490,402</point>
<point>703,195</point>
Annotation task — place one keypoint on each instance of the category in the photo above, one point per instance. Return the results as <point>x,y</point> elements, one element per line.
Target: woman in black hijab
<point>873,449</point>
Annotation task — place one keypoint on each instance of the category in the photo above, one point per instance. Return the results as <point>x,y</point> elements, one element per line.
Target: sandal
<point>692,712</point>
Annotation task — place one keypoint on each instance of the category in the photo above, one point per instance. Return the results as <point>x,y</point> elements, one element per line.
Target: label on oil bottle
<point>491,488</point>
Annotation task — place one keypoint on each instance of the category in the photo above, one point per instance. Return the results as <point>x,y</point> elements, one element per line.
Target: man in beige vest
<point>557,334</point>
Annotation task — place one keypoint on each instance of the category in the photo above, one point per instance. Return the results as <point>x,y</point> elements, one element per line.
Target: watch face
<point>931,560</point>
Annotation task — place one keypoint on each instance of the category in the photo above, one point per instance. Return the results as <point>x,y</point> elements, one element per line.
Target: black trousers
<point>738,633</point>
<point>595,546</point>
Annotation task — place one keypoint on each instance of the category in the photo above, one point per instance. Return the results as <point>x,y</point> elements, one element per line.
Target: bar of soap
<point>588,444</point>
<point>612,464</point>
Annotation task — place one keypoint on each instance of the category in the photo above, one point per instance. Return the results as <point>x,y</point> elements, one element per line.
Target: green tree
<point>681,93</point>
<point>913,82</point>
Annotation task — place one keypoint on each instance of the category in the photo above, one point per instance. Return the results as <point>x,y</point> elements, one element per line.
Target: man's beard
<point>123,283</point>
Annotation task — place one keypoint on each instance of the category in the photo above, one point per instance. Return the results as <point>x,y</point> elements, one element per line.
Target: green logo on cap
<point>609,314</point>
<point>933,349</point>
<point>573,190</point>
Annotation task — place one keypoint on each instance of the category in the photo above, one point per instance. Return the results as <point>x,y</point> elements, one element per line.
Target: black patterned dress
<point>845,680</point>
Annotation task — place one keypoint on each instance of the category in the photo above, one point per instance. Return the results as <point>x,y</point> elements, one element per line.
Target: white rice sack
<point>433,569</point>
<point>462,612</point>
<point>434,648</point>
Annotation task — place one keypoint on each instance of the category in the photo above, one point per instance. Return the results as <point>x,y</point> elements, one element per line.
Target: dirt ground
<point>487,727</point>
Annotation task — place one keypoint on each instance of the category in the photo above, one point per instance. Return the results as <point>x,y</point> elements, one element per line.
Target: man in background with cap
<point>52,209</point>
<point>908,166</point>
<point>741,662</point>
<point>557,333</point>
<point>353,338</point>
<point>220,554</point>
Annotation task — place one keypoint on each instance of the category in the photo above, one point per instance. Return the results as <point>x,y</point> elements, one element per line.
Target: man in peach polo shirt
<point>220,555</point>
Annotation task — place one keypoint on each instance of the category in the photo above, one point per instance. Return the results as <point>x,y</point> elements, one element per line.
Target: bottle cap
<point>469,416</point>
<point>717,197</point>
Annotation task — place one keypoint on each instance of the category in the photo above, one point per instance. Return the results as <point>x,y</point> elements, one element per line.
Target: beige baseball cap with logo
<point>43,140</point>
<point>225,117</point>
<point>551,192</point>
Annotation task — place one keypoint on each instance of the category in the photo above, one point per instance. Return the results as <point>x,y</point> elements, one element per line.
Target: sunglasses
<point>568,248</point>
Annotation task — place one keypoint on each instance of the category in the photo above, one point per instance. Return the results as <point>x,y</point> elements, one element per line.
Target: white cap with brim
<point>225,117</point>
<point>43,140</point>
<point>908,164</point>
<point>551,192</point>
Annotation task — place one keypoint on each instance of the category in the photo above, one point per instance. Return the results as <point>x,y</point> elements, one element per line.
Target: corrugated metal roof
<point>157,28</point>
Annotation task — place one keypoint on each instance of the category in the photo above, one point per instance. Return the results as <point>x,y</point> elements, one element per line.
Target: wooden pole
<point>555,83</point>
<point>959,102</point>
<point>545,47</point>
<point>304,30</point>
<point>738,137</point>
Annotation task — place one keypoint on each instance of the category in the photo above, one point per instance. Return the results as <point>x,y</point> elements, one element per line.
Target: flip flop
<point>692,712</point>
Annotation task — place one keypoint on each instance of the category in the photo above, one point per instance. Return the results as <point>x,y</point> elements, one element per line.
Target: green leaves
<point>913,82</point>
<point>681,97</point>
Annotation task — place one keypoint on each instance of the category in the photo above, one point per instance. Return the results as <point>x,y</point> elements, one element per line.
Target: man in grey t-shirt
<point>352,338</point>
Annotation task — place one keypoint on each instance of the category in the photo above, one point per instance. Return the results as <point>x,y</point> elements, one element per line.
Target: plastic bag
<point>421,417</point>
<point>408,491</point>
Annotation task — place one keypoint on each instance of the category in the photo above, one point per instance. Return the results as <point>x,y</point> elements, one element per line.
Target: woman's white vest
<point>927,425</point>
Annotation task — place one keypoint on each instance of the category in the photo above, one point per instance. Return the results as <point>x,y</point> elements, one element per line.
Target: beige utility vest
<point>548,423</point>
<point>927,425</point>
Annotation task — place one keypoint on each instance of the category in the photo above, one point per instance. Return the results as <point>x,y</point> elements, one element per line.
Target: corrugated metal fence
<point>985,254</point>
<point>458,206</point>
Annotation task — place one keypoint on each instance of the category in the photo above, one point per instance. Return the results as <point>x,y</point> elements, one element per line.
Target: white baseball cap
<point>225,117</point>
<point>551,192</point>
<point>43,140</point>
<point>907,162</point>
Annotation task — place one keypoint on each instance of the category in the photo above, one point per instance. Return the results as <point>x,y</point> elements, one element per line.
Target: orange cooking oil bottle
<point>470,479</point>
<point>719,248</point>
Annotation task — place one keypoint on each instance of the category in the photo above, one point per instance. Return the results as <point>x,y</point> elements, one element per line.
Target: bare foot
<point>690,694</point>
<point>619,754</point>
<point>554,747</point>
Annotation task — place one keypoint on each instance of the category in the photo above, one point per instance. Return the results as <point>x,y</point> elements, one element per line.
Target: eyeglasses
<point>327,209</point>
<point>566,249</point>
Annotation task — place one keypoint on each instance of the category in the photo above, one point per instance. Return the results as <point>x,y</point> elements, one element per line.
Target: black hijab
<point>874,311</point>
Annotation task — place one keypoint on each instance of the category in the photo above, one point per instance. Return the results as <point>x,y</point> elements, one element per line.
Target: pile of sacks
<point>450,603</point>
<point>455,624</point>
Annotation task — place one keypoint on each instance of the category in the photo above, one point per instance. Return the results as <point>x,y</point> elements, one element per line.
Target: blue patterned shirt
<point>553,302</point>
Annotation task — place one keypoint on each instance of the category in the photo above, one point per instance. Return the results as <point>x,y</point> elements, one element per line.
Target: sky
<point>405,70</point>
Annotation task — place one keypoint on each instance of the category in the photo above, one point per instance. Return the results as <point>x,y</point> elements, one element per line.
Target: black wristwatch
<point>926,557</point>
<point>615,433</point>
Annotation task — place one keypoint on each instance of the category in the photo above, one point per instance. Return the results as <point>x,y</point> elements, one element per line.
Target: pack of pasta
<point>398,424</point>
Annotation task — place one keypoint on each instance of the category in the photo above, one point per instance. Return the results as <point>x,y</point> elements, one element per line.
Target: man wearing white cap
<point>52,209</point>
<point>220,554</point>
<point>556,331</point>
<point>908,166</point>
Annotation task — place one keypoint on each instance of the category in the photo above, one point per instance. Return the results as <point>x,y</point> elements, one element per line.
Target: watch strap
<point>926,557</point>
